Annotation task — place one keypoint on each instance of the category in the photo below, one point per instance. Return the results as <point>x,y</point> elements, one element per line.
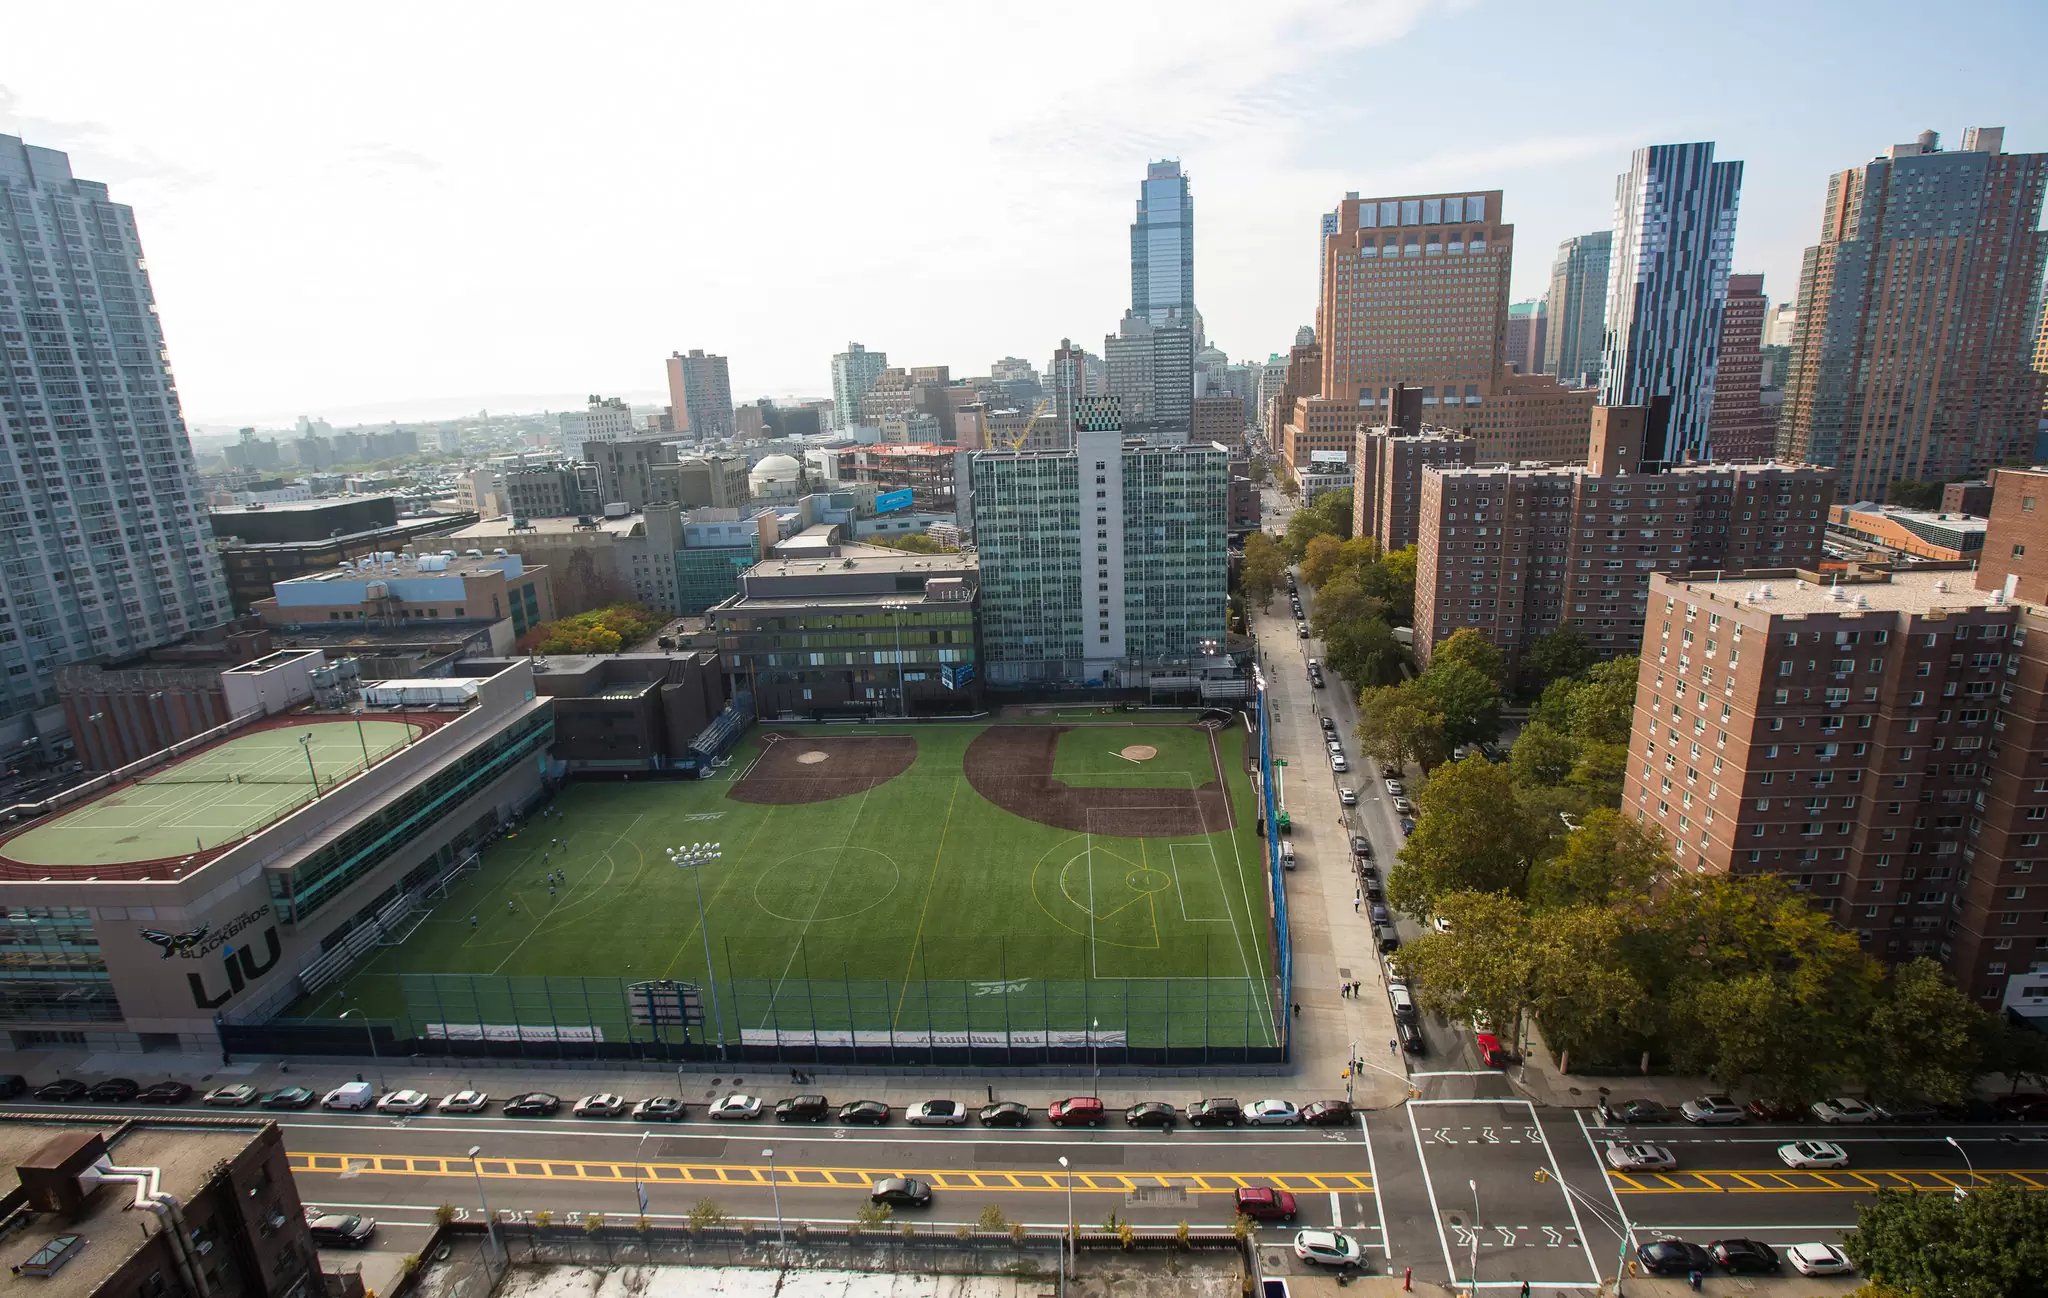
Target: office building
<point>1783,319</point>
<point>854,372</point>
<point>1577,308</point>
<point>716,480</point>
<point>1152,376</point>
<point>543,490</point>
<point>261,545</point>
<point>1163,249</point>
<point>902,627</point>
<point>405,588</point>
<point>633,473</point>
<point>1876,738</point>
<point>606,419</point>
<point>593,562</point>
<point>2015,561</point>
<point>1516,552</point>
<point>103,527</point>
<point>212,1200</point>
<point>1528,333</point>
<point>1895,534</point>
<point>1967,497</point>
<point>1220,419</point>
<point>1674,233</point>
<point>1741,428</point>
<point>1913,354</point>
<point>1100,563</point>
<point>1386,488</point>
<point>1529,417</point>
<point>700,395</point>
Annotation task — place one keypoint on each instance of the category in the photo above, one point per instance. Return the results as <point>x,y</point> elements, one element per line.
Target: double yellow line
<point>1843,1181</point>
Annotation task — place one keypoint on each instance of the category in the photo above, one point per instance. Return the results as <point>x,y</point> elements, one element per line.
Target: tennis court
<point>215,797</point>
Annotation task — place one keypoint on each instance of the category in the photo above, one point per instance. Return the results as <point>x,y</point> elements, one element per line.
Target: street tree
<point>1470,647</point>
<point>1482,965</point>
<point>1466,697</point>
<point>1391,579</point>
<point>1470,835</point>
<point>1319,559</point>
<point>1607,858</point>
<point>1542,756</point>
<point>1586,995</point>
<point>1554,656</point>
<point>1364,651</point>
<point>1265,568</point>
<point>1397,724</point>
<point>2018,1054</point>
<point>1924,1041</point>
<point>1989,1243</point>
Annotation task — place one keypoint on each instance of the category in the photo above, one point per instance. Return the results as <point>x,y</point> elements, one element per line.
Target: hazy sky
<point>375,210</point>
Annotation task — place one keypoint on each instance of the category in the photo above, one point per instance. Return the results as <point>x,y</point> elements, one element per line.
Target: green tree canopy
<point>1484,964</point>
<point>1991,1243</point>
<point>1607,858</point>
<point>1265,567</point>
<point>1542,755</point>
<point>1470,835</point>
<point>1598,705</point>
<point>1327,515</point>
<point>1554,656</point>
<point>600,631</point>
<point>1319,559</point>
<point>1467,645</point>
<point>1466,697</point>
<point>1398,725</point>
<point>1925,1040</point>
<point>1364,651</point>
<point>1911,493</point>
<point>1391,579</point>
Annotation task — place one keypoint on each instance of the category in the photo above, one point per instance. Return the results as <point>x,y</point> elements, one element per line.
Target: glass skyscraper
<point>105,544</point>
<point>1578,307</point>
<point>1163,248</point>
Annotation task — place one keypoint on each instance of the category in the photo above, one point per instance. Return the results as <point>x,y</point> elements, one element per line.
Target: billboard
<point>888,502</point>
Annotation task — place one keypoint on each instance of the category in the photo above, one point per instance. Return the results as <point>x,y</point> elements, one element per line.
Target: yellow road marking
<point>1818,1181</point>
<point>526,1169</point>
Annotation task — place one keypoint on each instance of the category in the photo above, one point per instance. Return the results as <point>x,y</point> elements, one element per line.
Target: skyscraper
<point>1163,248</point>
<point>1578,308</point>
<point>1742,429</point>
<point>854,372</point>
<point>1528,327</point>
<point>1152,373</point>
<point>1911,352</point>
<point>105,545</point>
<point>1674,232</point>
<point>700,394</point>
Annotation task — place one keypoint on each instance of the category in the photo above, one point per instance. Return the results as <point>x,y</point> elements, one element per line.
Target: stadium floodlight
<point>693,857</point>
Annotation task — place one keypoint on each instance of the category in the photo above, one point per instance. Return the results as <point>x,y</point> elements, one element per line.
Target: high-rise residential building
<point>1151,372</point>
<point>1527,329</point>
<point>1912,356</point>
<point>1674,233</point>
<point>1067,384</point>
<point>2015,556</point>
<point>700,394</point>
<point>1595,533</point>
<point>105,544</point>
<point>606,419</point>
<point>1386,483</point>
<point>1103,562</point>
<point>1875,738</point>
<point>1780,322</point>
<point>1272,378</point>
<point>1741,428</point>
<point>1577,305</point>
<point>1163,248</point>
<point>854,372</point>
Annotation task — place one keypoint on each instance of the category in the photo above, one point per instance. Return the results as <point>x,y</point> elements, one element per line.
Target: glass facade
<point>1176,568</point>
<point>1163,248</point>
<point>1027,529</point>
<point>708,576</point>
<point>50,967</point>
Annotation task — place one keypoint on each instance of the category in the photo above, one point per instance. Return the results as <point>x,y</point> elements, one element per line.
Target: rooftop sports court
<point>210,800</point>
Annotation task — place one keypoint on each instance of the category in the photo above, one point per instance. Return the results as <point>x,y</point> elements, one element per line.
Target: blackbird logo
<point>174,943</point>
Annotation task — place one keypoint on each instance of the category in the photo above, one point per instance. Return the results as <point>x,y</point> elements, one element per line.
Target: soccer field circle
<point>827,883</point>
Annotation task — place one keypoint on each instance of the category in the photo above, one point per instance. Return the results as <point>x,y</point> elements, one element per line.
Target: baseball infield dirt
<point>818,768</point>
<point>1011,766</point>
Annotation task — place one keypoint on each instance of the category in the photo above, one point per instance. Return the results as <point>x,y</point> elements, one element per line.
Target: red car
<point>1493,1052</point>
<point>1075,1111</point>
<point>1326,1113</point>
<point>1263,1204</point>
<point>1773,1111</point>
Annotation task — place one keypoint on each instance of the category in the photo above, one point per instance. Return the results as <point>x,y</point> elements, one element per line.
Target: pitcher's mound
<point>812,758</point>
<point>1140,752</point>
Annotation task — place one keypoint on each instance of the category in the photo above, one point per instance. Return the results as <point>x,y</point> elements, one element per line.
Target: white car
<point>1396,788</point>
<point>1712,1111</point>
<point>937,1113</point>
<point>1640,1158</point>
<point>1843,1108</point>
<point>464,1102</point>
<point>1403,806</point>
<point>1348,796</point>
<point>1338,763</point>
<point>1813,1153</point>
<point>1326,1247</point>
<point>1818,1259</point>
<point>1440,923</point>
<point>735,1108</point>
<point>601,1105</point>
<point>1272,1113</point>
<point>404,1102</point>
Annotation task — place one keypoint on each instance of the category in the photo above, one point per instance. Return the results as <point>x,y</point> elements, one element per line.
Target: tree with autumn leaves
<point>600,631</point>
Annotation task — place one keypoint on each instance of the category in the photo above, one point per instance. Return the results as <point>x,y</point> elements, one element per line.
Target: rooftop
<point>500,528</point>
<point>1784,592</point>
<point>871,559</point>
<point>304,506</point>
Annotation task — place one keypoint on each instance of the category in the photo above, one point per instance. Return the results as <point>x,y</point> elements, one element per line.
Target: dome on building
<point>775,475</point>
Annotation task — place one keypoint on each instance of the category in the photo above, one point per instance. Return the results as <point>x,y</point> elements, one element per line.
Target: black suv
<point>339,1230</point>
<point>1740,1255</point>
<point>118,1090</point>
<point>1674,1257</point>
<point>1215,1113</point>
<point>803,1108</point>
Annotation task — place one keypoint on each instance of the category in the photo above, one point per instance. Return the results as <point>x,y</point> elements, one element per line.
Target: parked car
<point>938,1113</point>
<point>734,1108</point>
<point>1640,1158</point>
<point>404,1102</point>
<point>1272,1113</point>
<point>1338,763</point>
<point>1633,1111</point>
<point>1374,889</point>
<point>1974,1109</point>
<point>1407,826</point>
<point>1326,1113</point>
<point>290,1097</point>
<point>339,1230</point>
<point>864,1113</point>
<point>2022,1106</point>
<point>803,1108</point>
<point>1263,1203</point>
<point>1381,915</point>
<point>1712,1111</point>
<point>1744,1256</point>
<point>1316,679</point>
<point>1075,1111</point>
<point>660,1108</point>
<point>1348,796</point>
<point>1774,1111</point>
<point>1386,937</point>
<point>1908,1111</point>
<point>532,1104</point>
<point>349,1097</point>
<point>1301,630</point>
<point>115,1090</point>
<point>1396,788</point>
<point>901,1192</point>
<point>1818,1259</point>
<point>1403,806</point>
<point>1150,1113</point>
<point>1005,1113</point>
<point>1327,1248</point>
<point>11,1085</point>
<point>1673,1257</point>
<point>604,1104</point>
<point>1412,1040</point>
<point>1390,772</point>
<point>164,1093</point>
<point>1492,1052</point>
<point>1843,1108</point>
<point>1361,846</point>
<point>1215,1113</point>
<point>241,1093</point>
<point>464,1102</point>
<point>1403,1002</point>
<point>1329,726</point>
<point>1813,1153</point>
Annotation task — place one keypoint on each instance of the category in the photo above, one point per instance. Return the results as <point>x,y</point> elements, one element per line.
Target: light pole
<point>1474,1185</point>
<point>1351,1075</point>
<point>1095,1042</point>
<point>163,729</point>
<point>775,1186</point>
<point>1966,1161</point>
<point>306,746</point>
<point>694,857</point>
<point>490,1218</point>
<point>370,1031</point>
<point>1067,1240</point>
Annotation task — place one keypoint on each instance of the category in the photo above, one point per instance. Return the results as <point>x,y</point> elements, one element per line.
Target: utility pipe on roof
<point>170,1216</point>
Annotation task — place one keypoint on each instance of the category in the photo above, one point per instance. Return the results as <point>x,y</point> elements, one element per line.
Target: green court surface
<point>916,905</point>
<point>215,797</point>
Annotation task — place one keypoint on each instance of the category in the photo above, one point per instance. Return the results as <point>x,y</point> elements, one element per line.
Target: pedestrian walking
<point>1297,1009</point>
<point>472,921</point>
<point>1694,1278</point>
<point>1525,1289</point>
<point>1393,1046</point>
<point>1357,902</point>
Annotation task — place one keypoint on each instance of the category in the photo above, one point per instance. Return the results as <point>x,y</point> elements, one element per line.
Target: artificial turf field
<point>872,879</point>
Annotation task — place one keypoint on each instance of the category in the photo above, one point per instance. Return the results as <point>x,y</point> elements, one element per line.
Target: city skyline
<point>417,199</point>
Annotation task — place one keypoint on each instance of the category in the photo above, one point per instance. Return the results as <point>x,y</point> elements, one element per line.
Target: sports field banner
<point>939,1040</point>
<point>508,1032</point>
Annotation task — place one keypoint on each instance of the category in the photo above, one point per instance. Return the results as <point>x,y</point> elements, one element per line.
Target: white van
<point>1403,1002</point>
<point>1287,855</point>
<point>350,1095</point>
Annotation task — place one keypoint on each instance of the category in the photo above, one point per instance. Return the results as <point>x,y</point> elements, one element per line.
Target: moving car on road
<point>1327,1248</point>
<point>1005,1113</point>
<point>1150,1113</point>
<point>1673,1257</point>
<point>532,1104</point>
<point>660,1108</point>
<point>1712,1111</point>
<point>1744,1256</point>
<point>938,1113</point>
<point>1843,1108</point>
<point>340,1230</point>
<point>1640,1158</point>
<point>901,1192</point>
<point>234,1097</point>
<point>803,1108</point>
<point>864,1113</point>
<point>1492,1052</point>
<point>604,1104</point>
<point>464,1102</point>
<point>1263,1203</point>
<point>1813,1153</point>
<point>1272,1113</point>
<point>1818,1259</point>
<point>1075,1111</point>
<point>735,1108</point>
<point>404,1102</point>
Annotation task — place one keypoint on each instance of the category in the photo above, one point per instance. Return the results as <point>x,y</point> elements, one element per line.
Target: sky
<point>423,209</point>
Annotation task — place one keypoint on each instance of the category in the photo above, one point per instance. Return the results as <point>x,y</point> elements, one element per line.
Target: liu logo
<point>239,962</point>
<point>177,943</point>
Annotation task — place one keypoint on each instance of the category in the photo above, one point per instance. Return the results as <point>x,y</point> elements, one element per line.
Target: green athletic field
<point>915,906</point>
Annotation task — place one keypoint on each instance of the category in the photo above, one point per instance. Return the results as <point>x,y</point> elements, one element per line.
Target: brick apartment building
<point>2015,555</point>
<point>1881,740</point>
<point>1519,552</point>
<point>1741,429</point>
<point>1219,418</point>
<point>1386,490</point>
